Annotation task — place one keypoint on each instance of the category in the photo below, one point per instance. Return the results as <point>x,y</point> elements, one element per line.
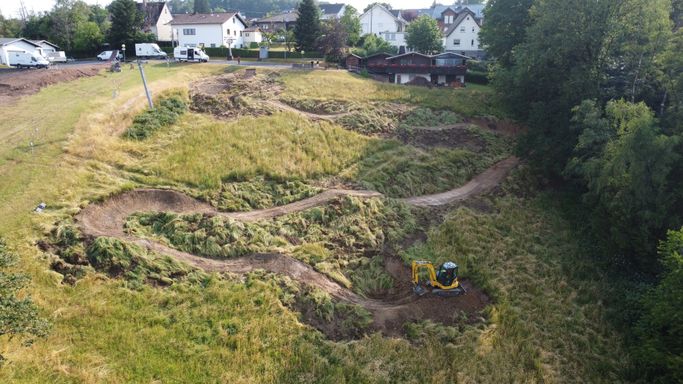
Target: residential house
<point>252,35</point>
<point>16,44</point>
<point>384,23</point>
<point>156,19</point>
<point>282,21</point>
<point>357,63</point>
<point>46,48</point>
<point>416,68</point>
<point>220,29</point>
<point>332,11</point>
<point>463,35</point>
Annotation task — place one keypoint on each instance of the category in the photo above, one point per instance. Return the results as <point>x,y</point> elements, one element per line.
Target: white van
<point>23,59</point>
<point>149,51</point>
<point>190,54</point>
<point>107,55</point>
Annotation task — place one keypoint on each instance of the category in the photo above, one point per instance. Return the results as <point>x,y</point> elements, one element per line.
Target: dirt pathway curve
<point>108,218</point>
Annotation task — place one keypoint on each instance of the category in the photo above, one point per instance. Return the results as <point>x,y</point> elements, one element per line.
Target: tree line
<point>79,28</point>
<point>600,87</point>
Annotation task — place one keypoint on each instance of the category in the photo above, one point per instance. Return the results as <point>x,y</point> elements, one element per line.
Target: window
<point>462,29</point>
<point>240,33</point>
<point>228,31</point>
<point>456,42</point>
<point>234,33</point>
<point>390,36</point>
<point>233,20</point>
<point>472,29</point>
<point>189,31</point>
<point>213,45</point>
<point>473,42</point>
<point>246,34</point>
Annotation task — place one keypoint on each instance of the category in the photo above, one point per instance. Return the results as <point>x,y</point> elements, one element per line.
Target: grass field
<point>545,324</point>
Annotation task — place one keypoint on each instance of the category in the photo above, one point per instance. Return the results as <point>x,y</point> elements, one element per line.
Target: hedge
<point>222,53</point>
<point>476,77</point>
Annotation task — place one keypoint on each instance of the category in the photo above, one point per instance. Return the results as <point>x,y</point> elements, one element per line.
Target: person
<point>238,60</point>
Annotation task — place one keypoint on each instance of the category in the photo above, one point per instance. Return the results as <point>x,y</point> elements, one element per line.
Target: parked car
<point>190,54</point>
<point>23,59</point>
<point>149,51</point>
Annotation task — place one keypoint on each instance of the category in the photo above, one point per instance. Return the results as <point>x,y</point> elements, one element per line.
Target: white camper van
<point>23,59</point>
<point>190,54</point>
<point>109,55</point>
<point>149,51</point>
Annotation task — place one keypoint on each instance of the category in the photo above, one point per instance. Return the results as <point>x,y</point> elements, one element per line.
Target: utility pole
<point>144,82</point>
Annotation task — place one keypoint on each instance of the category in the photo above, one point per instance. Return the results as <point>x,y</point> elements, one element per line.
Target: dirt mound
<point>505,127</point>
<point>232,95</point>
<point>17,83</point>
<point>450,136</point>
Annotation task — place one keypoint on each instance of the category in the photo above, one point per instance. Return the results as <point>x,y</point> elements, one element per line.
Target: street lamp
<point>230,40</point>
<point>123,48</point>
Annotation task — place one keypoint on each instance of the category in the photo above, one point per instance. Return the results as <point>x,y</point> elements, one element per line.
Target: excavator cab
<point>447,273</point>
<point>442,281</point>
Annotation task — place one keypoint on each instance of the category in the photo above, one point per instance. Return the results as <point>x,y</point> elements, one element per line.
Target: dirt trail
<point>480,184</point>
<point>108,218</point>
<point>310,115</point>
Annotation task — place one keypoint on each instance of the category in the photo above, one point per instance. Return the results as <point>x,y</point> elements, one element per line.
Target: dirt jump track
<point>389,313</point>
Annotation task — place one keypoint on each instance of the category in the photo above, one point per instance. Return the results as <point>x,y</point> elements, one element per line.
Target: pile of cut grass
<point>257,193</point>
<point>116,258</point>
<point>334,239</point>
<point>168,109</point>
<point>319,106</point>
<point>398,170</point>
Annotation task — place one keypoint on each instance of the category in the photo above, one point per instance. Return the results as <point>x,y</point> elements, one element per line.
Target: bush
<point>476,77</point>
<point>253,45</point>
<point>167,112</point>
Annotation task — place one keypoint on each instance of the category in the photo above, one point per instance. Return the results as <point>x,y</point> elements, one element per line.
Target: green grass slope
<point>544,324</point>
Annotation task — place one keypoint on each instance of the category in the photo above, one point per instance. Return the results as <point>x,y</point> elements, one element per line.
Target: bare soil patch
<point>15,84</point>
<point>449,136</point>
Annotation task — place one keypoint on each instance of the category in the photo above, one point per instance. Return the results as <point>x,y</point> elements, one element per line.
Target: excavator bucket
<point>419,290</point>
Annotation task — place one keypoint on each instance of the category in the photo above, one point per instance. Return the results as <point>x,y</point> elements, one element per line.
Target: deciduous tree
<point>423,35</point>
<point>351,23</point>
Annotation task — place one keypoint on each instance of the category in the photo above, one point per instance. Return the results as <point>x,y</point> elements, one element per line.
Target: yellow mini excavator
<point>442,282</point>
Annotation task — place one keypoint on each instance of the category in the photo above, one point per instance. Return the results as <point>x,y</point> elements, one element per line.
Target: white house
<point>14,44</point>
<point>332,11</point>
<point>46,48</point>
<point>384,23</point>
<point>463,35</point>
<point>252,35</point>
<point>157,17</point>
<point>224,29</point>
